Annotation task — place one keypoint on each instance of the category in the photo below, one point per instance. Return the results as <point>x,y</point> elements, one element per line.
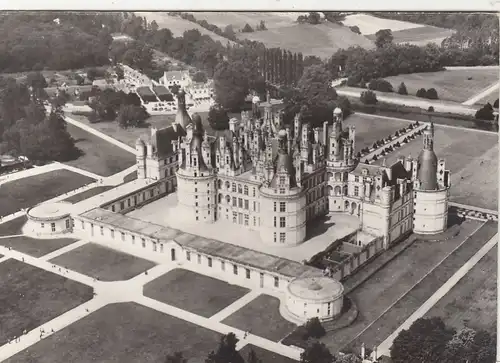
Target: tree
<point>154,26</point>
<point>422,93</point>
<point>383,37</point>
<point>131,116</point>
<point>79,79</point>
<point>402,89</point>
<point>231,84</point>
<point>247,29</point>
<point>368,98</point>
<point>314,18</point>
<point>262,25</point>
<point>430,109</point>
<point>314,328</point>
<point>381,85</point>
<point>218,118</point>
<point>316,353</point>
<point>92,74</point>
<point>431,94</point>
<point>200,77</point>
<point>485,113</point>
<point>36,80</point>
<point>355,29</point>
<point>177,357</point>
<point>229,32</point>
<point>348,358</point>
<point>119,73</point>
<point>424,341</point>
<point>495,104</point>
<point>226,351</point>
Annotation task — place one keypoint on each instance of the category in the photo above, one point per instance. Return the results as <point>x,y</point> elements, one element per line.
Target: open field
<point>178,25</point>
<point>421,35</point>
<point>127,136</point>
<point>261,317</point>
<point>125,333</point>
<point>370,129</point>
<point>451,85</point>
<point>193,292</point>
<point>472,158</point>
<point>31,297</point>
<point>87,194</point>
<point>398,313</point>
<point>29,191</point>
<point>473,301</point>
<point>103,263</point>
<point>387,285</point>
<point>99,156</point>
<point>36,247</point>
<point>321,40</point>
<point>369,24</point>
<point>264,355</point>
<point>239,19</point>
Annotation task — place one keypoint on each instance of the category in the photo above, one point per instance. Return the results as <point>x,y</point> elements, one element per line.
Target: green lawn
<point>473,301</point>
<point>471,157</point>
<point>101,262</point>
<point>31,297</point>
<point>384,326</point>
<point>124,333</point>
<point>370,129</point>
<point>265,355</point>
<point>451,85</point>
<point>98,155</point>
<point>87,194</point>
<point>396,278</point>
<point>29,191</point>
<point>261,317</point>
<point>36,247</point>
<point>193,292</point>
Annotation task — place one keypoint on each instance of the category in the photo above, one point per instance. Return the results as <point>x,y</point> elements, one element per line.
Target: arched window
<point>227,185</point>
<point>240,190</point>
<point>228,199</point>
<point>338,177</point>
<point>220,198</point>
<point>219,184</point>
<point>338,190</point>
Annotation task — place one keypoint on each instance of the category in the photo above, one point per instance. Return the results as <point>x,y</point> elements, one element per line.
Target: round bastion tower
<point>431,189</point>
<point>283,202</point>
<point>196,179</point>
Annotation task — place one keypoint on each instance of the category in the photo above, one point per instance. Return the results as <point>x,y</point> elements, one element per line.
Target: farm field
<point>421,35</point>
<point>31,297</point>
<point>261,317</point>
<point>398,277</point>
<point>99,156</point>
<point>369,24</point>
<point>178,25</point>
<point>127,136</point>
<point>473,301</point>
<point>239,19</point>
<point>321,40</point>
<point>102,263</point>
<point>451,85</point>
<point>471,157</point>
<point>370,129</point>
<point>193,292</point>
<point>125,333</point>
<point>29,191</point>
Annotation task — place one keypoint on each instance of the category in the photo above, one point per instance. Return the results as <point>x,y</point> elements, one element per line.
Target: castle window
<point>247,271</point>
<point>228,200</point>
<point>276,282</point>
<point>274,235</point>
<point>196,204</point>
<point>282,222</point>
<point>195,190</point>
<point>274,218</point>
<point>240,190</point>
<point>102,231</point>
<point>222,265</point>
<point>112,208</point>
<point>246,219</point>
<point>234,187</point>
<point>356,179</point>
<point>254,205</point>
<point>356,191</point>
<point>254,221</point>
<point>219,184</point>
<point>245,190</point>
<point>282,180</point>
<point>282,207</point>
<point>220,198</point>
<point>195,173</point>
<point>246,204</point>
<point>227,185</point>
<point>274,206</point>
<point>254,191</point>
<point>53,227</point>
<point>209,261</point>
<point>240,203</point>
<point>235,217</point>
<point>188,255</point>
<point>282,190</point>
<point>235,269</point>
<point>234,201</point>
<point>133,239</point>
<point>112,233</point>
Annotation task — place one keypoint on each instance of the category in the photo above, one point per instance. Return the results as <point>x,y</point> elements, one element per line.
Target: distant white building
<point>179,78</point>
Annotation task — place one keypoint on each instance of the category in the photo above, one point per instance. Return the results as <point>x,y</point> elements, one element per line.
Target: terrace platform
<point>320,235</point>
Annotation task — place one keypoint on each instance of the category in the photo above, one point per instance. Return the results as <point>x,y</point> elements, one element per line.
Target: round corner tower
<point>431,189</point>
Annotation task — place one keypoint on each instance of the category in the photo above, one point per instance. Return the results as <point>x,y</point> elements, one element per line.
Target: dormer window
<point>282,180</point>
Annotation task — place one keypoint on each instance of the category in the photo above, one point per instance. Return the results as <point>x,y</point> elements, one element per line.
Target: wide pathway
<point>384,347</point>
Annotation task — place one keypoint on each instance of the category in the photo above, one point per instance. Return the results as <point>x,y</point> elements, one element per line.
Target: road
<point>481,95</point>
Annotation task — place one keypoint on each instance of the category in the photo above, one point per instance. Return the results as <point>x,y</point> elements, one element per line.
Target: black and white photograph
<point>249,186</point>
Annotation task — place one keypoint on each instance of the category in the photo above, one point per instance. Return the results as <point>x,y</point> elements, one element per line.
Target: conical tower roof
<point>182,117</point>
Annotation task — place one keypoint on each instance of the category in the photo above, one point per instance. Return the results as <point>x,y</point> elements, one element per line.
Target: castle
<point>272,178</point>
